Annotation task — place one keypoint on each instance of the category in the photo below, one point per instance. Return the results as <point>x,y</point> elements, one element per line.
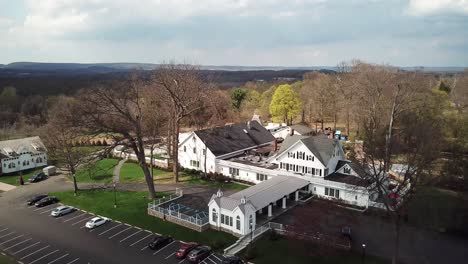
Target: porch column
<point>297,196</point>
<point>269,210</point>
<point>284,202</point>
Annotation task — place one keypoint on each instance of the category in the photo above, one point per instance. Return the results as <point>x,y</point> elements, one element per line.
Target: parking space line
<point>164,247</point>
<point>109,229</point>
<point>11,239</point>
<point>17,244</point>
<point>120,232</point>
<point>170,255</point>
<point>69,219</point>
<point>41,208</point>
<point>8,234</point>
<point>209,258</point>
<point>1,231</point>
<point>44,256</point>
<point>130,236</point>
<point>55,260</point>
<point>141,240</point>
<point>181,261</point>
<point>43,212</point>
<point>26,248</point>
<point>216,257</point>
<point>145,247</point>
<point>73,261</point>
<point>82,220</point>
<point>35,252</point>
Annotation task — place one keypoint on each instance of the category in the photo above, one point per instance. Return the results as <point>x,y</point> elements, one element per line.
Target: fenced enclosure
<point>178,213</point>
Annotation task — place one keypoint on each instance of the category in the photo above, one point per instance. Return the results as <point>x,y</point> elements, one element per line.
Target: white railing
<point>131,156</point>
<point>177,194</point>
<point>196,220</point>
<point>245,240</point>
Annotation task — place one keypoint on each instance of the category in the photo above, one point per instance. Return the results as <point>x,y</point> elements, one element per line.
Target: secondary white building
<point>22,154</point>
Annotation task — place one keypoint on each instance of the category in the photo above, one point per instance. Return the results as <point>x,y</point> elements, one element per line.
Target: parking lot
<point>114,238</point>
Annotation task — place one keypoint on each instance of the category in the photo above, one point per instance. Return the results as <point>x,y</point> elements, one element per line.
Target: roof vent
<point>243,200</point>
<point>245,131</point>
<point>219,193</point>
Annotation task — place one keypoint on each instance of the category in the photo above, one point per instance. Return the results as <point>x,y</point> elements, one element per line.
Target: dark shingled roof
<point>302,129</point>
<point>321,146</point>
<point>355,167</point>
<point>231,138</point>
<point>348,179</point>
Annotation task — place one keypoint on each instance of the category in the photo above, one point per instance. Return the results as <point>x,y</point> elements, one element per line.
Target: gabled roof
<point>321,146</point>
<point>30,144</point>
<point>231,138</point>
<point>348,179</point>
<point>302,129</point>
<point>355,167</point>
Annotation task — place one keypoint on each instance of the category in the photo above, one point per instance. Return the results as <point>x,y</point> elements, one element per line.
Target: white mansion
<point>249,152</point>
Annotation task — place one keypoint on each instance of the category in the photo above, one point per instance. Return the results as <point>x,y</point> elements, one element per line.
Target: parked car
<point>62,210</point>
<point>198,254</point>
<point>46,201</point>
<point>96,221</point>
<point>36,199</point>
<point>232,260</point>
<point>40,176</point>
<point>184,249</point>
<point>346,231</point>
<point>159,242</point>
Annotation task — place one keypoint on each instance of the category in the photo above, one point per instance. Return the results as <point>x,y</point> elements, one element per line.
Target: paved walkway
<point>4,187</point>
<point>116,175</point>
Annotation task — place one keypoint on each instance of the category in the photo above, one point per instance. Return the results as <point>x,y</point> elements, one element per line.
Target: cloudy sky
<point>236,32</point>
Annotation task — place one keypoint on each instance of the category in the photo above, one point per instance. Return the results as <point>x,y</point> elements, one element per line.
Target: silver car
<point>62,210</point>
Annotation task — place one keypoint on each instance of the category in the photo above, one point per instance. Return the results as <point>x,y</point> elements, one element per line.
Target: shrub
<point>250,253</point>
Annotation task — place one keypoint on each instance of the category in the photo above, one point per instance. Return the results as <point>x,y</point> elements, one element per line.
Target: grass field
<point>132,209</point>
<point>282,250</point>
<point>131,172</point>
<point>231,185</point>
<point>6,260</point>
<point>437,209</point>
<point>13,179</point>
<point>101,172</point>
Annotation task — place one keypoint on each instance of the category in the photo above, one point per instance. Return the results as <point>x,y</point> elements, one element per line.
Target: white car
<point>96,221</point>
<point>62,210</point>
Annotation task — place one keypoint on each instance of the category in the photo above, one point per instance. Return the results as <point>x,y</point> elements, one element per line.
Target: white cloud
<point>429,7</point>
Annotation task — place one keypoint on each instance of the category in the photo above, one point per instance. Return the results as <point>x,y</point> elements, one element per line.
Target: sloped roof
<point>235,137</point>
<point>355,167</point>
<point>302,129</point>
<point>22,145</point>
<point>348,179</point>
<point>266,192</point>
<point>321,146</point>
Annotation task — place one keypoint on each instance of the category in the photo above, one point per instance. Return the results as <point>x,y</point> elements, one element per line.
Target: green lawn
<point>232,185</point>
<point>437,209</point>
<point>132,209</point>
<point>283,250</point>
<point>101,172</point>
<point>6,260</point>
<point>132,172</point>
<point>13,179</point>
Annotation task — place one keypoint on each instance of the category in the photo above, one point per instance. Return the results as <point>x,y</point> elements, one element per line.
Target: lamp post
<point>363,253</point>
<point>251,233</point>
<point>115,197</point>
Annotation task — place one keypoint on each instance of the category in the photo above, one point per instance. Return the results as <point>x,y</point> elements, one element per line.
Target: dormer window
<point>347,170</point>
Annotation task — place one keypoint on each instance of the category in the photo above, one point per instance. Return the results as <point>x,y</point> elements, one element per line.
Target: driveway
<point>416,245</point>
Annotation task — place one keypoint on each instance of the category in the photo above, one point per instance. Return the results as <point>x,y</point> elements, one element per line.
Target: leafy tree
<point>285,104</point>
<point>238,95</point>
<point>444,87</point>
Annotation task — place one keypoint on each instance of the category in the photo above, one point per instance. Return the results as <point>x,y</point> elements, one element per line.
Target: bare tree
<point>397,126</point>
<point>61,136</point>
<point>185,89</point>
<point>120,111</point>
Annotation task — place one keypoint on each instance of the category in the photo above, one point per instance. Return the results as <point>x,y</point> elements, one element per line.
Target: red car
<point>185,249</point>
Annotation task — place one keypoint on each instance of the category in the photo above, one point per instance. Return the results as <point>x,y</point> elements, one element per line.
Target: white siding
<point>25,161</point>
<point>187,154</point>
<point>300,147</point>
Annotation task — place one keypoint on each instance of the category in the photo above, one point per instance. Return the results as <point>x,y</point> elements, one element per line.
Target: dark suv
<point>198,254</point>
<point>38,177</point>
<point>36,199</point>
<point>159,242</point>
<point>47,201</point>
<point>232,260</point>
